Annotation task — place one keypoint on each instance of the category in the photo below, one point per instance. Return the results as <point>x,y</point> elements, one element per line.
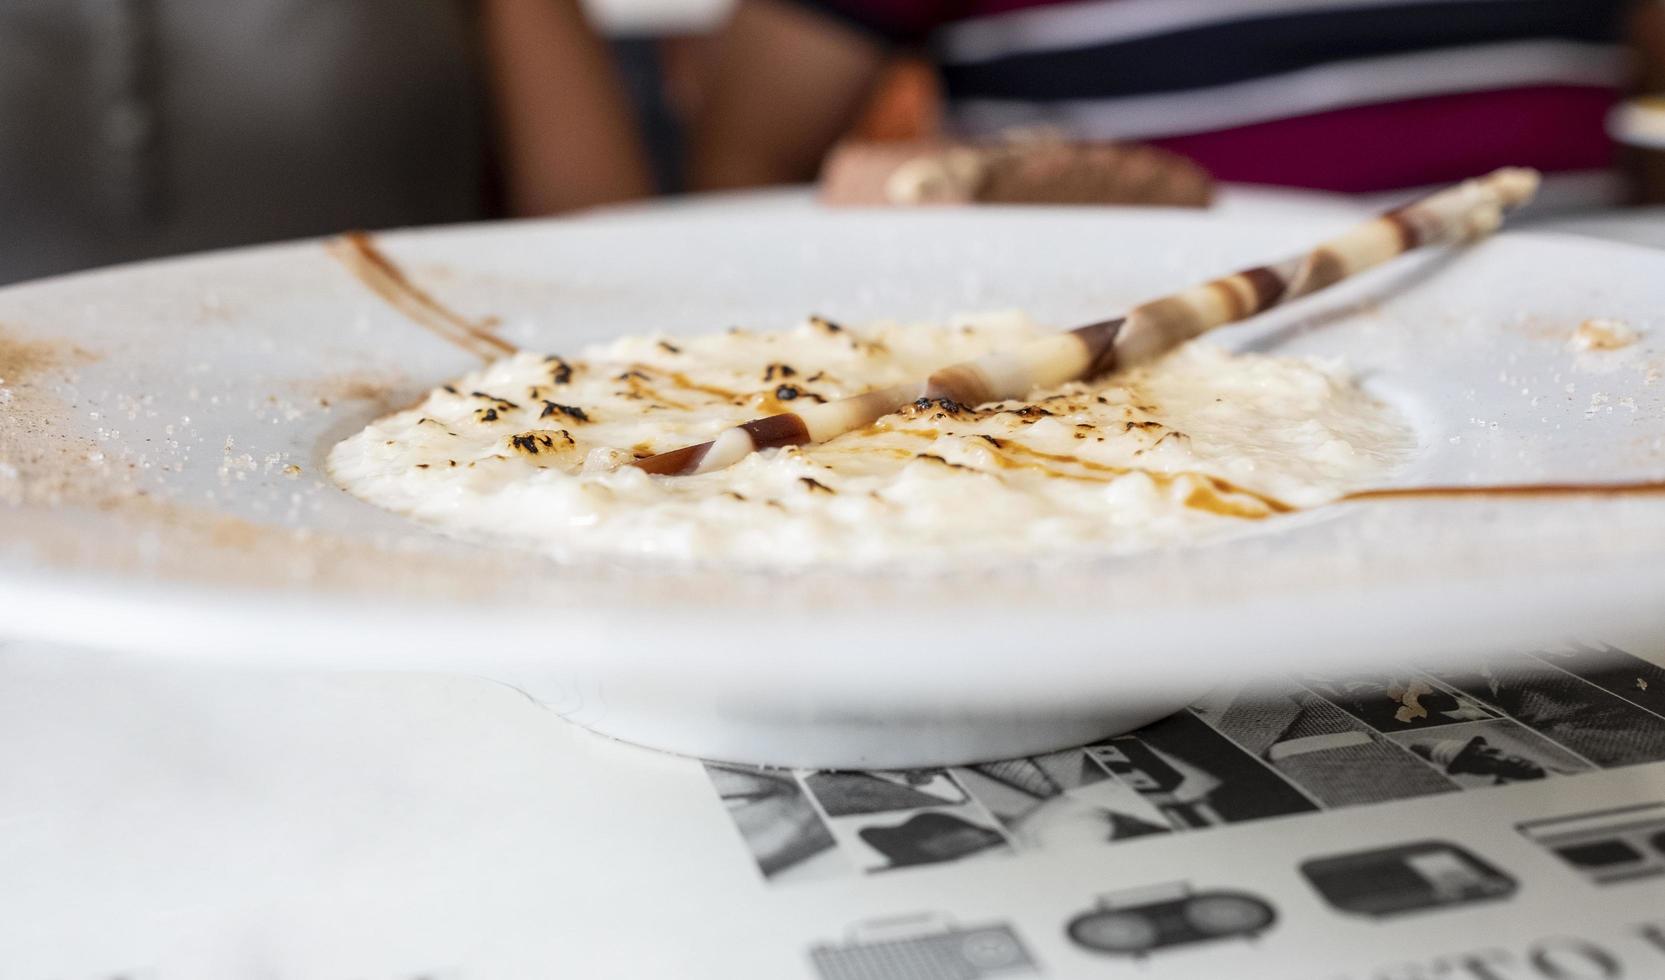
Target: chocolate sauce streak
<point>1513,490</point>
<point>357,252</point>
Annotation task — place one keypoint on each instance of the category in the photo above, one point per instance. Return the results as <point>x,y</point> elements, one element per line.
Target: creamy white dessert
<point>534,450</point>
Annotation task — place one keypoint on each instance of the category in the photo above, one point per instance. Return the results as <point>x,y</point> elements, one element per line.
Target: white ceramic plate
<point>152,415</point>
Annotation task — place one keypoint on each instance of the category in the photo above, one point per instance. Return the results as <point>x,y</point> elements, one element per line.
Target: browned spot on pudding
<point>539,441</point>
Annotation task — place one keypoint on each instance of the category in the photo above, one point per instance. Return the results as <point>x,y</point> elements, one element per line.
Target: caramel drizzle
<point>1208,492</point>
<point>640,385</point>
<point>689,384</point>
<point>358,254</point>
<point>1211,493</point>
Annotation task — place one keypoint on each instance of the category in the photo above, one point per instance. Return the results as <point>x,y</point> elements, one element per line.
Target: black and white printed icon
<point>1607,846</point>
<point>1574,713</point>
<point>844,793</point>
<point>1277,749</point>
<point>1061,799</point>
<point>1405,878</point>
<point>1490,753</point>
<point>904,818</point>
<point>1623,674</point>
<point>1395,701</point>
<point>1140,921</point>
<point>1196,777</point>
<point>777,821</point>
<point>930,837</point>
<point>1327,752</point>
<point>928,947</point>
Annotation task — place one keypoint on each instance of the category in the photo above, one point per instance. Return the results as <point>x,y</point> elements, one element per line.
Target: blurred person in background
<point>1352,96</point>
<point>135,128</point>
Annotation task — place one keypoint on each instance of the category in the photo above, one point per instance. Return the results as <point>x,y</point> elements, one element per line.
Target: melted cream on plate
<point>529,450</point>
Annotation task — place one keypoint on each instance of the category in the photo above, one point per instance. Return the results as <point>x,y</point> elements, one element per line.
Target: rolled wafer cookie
<point>1469,211</point>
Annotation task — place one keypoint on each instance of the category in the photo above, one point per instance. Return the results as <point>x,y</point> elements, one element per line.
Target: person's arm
<point>786,83</point>
<point>1647,41</point>
<point>567,134</point>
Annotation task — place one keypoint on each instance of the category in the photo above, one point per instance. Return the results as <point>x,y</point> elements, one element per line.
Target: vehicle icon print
<point>1141,921</point>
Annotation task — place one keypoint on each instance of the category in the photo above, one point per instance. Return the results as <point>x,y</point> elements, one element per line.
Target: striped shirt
<point>1343,95</point>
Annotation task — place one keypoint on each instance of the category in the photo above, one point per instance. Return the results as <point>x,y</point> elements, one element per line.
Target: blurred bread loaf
<point>1042,171</point>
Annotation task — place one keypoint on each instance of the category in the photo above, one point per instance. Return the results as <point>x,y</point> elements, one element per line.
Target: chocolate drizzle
<point>1631,489</point>
<point>357,252</point>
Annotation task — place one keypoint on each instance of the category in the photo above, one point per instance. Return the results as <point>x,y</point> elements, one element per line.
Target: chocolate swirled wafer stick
<point>1048,361</point>
<point>1469,211</point>
<point>1464,213</point>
